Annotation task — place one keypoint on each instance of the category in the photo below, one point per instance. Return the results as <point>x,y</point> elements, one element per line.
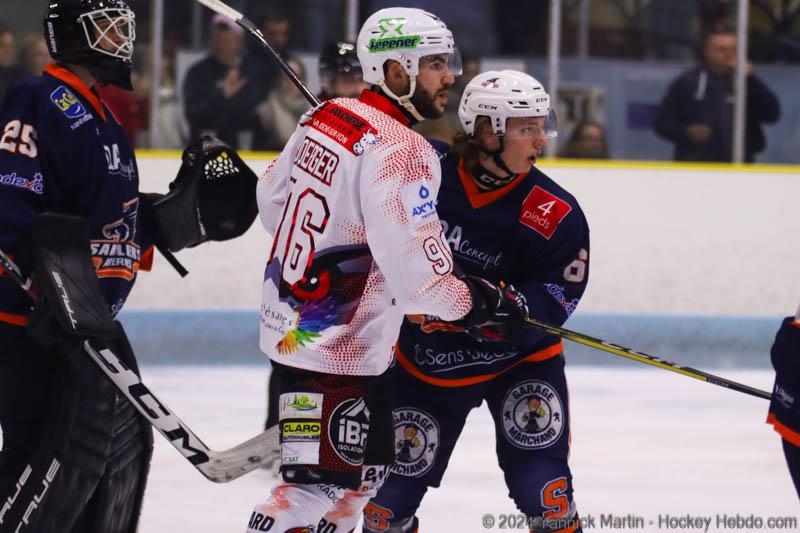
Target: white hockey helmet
<point>501,95</point>
<point>405,35</point>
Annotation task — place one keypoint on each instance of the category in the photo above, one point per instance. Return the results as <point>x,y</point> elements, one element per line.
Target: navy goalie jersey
<point>530,233</point>
<point>63,151</point>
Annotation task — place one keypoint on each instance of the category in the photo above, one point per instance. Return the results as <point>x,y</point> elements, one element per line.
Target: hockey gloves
<point>498,311</point>
<point>213,197</point>
<point>70,304</point>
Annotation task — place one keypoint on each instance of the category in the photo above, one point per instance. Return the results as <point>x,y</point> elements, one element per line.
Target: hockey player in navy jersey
<point>75,453</point>
<point>508,222</point>
<point>74,458</point>
<point>784,410</point>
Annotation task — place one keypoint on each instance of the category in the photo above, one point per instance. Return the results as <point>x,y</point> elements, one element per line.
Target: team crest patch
<point>347,430</point>
<point>416,439</point>
<point>533,415</point>
<point>542,211</point>
<point>67,102</point>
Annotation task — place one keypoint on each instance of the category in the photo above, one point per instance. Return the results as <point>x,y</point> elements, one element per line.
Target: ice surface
<point>644,442</point>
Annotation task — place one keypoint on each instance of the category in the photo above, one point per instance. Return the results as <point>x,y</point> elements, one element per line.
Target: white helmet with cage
<point>405,35</point>
<point>500,95</point>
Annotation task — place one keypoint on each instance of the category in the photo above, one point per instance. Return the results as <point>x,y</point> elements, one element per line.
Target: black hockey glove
<point>498,311</point>
<point>212,199</point>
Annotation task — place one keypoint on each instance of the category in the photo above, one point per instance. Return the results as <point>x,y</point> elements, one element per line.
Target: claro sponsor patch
<point>542,211</point>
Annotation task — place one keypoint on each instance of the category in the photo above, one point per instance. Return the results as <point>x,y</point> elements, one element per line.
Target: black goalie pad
<point>212,198</point>
<point>69,291</point>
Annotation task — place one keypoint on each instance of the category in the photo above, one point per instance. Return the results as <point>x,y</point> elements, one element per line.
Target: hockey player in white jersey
<point>357,245</point>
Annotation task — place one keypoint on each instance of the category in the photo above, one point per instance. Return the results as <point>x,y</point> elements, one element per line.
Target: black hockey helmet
<point>335,58</point>
<point>96,34</point>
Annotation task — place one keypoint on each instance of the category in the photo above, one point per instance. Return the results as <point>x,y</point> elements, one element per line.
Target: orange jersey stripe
<point>146,261</point>
<point>478,198</point>
<point>541,355</point>
<point>14,320</point>
<point>75,83</point>
<point>787,433</point>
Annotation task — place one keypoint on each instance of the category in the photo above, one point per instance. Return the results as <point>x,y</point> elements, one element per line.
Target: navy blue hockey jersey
<point>530,233</point>
<point>62,150</point>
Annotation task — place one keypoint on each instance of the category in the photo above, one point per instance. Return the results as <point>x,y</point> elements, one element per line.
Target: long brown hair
<point>467,147</point>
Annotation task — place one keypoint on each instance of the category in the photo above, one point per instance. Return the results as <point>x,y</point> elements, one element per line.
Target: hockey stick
<point>227,11</point>
<point>622,351</point>
<point>218,466</point>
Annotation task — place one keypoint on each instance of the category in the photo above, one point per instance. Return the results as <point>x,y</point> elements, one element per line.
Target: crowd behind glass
<point>231,88</point>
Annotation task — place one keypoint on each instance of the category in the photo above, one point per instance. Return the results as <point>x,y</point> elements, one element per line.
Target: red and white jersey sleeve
<point>351,202</point>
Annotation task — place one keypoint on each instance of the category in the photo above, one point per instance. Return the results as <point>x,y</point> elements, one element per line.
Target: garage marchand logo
<point>416,438</point>
<point>533,415</point>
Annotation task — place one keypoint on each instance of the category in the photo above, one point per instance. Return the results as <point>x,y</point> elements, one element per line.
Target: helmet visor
<point>111,32</point>
<point>451,62</point>
<point>532,127</point>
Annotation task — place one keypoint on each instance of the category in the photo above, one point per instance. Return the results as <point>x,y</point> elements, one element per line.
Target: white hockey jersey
<point>351,203</point>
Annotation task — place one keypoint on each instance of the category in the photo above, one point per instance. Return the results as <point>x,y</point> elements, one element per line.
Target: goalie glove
<point>212,198</point>
<point>498,311</point>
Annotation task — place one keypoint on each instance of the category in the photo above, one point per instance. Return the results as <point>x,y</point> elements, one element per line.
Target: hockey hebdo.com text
<point>661,523</point>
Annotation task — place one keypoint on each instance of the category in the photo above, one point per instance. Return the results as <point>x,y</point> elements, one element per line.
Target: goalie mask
<point>95,34</point>
<point>212,198</point>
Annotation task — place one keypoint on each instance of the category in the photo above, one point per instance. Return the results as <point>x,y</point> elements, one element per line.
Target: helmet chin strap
<point>497,158</point>
<point>404,101</point>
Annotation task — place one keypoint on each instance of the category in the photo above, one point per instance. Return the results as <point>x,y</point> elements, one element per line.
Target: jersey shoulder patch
<point>66,101</point>
<point>542,211</point>
<point>344,126</point>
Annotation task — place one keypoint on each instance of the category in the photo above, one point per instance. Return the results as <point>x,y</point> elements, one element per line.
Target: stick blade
<point>262,450</point>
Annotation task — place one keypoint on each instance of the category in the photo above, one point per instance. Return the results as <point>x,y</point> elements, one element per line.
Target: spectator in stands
<point>697,112</point>
<point>221,90</point>
<point>33,54</point>
<point>588,141</point>
<point>280,112</point>
<point>275,26</point>
<point>9,70</point>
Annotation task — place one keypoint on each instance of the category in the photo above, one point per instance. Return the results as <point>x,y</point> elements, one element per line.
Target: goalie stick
<point>227,11</point>
<point>642,357</point>
<point>218,466</point>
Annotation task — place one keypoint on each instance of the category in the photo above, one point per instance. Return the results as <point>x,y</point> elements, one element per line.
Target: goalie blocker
<point>76,454</point>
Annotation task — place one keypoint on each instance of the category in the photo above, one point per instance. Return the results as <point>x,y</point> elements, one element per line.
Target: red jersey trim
<point>785,432</point>
<point>478,198</point>
<point>382,103</point>
<point>75,83</point>
<point>14,320</point>
<point>536,357</point>
<point>146,260</point>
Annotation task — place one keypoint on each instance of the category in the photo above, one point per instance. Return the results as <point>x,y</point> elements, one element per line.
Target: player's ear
<point>396,77</point>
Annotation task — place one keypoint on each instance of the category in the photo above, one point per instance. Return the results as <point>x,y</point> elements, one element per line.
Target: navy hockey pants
<point>530,408</point>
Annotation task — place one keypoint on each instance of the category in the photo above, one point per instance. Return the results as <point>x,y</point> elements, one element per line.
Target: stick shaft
<point>218,466</point>
<point>226,11</point>
<point>647,359</point>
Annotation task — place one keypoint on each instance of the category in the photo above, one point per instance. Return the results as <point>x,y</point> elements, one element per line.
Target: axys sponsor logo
<point>348,428</point>
<point>416,437</point>
<point>542,211</point>
<point>428,205</point>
